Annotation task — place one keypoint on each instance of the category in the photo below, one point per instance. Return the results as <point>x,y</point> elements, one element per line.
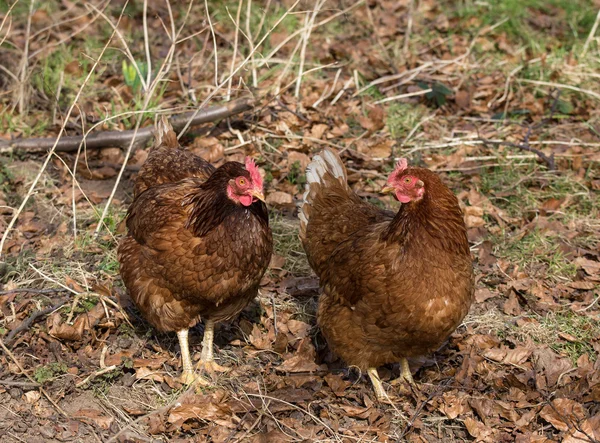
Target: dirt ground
<point>501,99</point>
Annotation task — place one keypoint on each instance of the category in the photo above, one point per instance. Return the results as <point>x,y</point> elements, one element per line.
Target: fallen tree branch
<point>25,324</point>
<point>123,138</point>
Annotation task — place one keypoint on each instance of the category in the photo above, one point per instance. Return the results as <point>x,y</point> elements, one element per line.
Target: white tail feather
<point>326,161</point>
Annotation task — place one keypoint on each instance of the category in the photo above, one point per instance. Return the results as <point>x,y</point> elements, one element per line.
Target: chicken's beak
<point>387,189</point>
<point>258,194</point>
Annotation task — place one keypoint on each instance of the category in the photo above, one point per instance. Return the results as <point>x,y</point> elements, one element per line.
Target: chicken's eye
<point>242,182</point>
<point>407,180</point>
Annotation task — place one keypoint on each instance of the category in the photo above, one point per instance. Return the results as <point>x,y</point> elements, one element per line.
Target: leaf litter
<point>523,366</point>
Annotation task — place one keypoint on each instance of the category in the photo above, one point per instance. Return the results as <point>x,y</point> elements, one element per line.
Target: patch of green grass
<point>538,252</point>
<point>524,190</point>
<point>287,244</point>
<point>109,263</point>
<point>296,175</point>
<point>537,24</point>
<point>583,328</point>
<point>47,372</point>
<point>402,118</point>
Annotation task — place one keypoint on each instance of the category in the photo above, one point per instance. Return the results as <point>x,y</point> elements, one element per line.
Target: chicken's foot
<point>188,376</point>
<point>377,385</point>
<point>207,362</point>
<point>405,375</point>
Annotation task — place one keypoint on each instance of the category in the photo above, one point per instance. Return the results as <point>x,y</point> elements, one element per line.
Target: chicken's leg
<point>188,376</point>
<point>405,375</point>
<point>377,385</point>
<point>207,362</point>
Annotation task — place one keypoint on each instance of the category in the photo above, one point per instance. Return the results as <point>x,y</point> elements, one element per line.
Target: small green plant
<point>44,373</point>
<point>296,176</point>
<point>130,74</point>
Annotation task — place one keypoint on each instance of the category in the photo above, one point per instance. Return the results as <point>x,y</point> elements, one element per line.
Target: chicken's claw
<point>190,378</point>
<point>405,375</point>
<point>210,367</point>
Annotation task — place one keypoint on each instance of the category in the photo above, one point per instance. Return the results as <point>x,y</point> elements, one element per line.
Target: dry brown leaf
<point>511,306</point>
<point>463,99</point>
<point>477,429</point>
<point>589,429</point>
<point>303,360</point>
<point>280,199</point>
<point>298,329</point>
<point>32,397</point>
<point>563,413</point>
<point>260,340</point>
<point>454,404</point>
<point>144,373</point>
<point>302,159</point>
<point>209,407</point>
<point>482,294</point>
<point>337,384</point>
<point>589,266</point>
<point>318,130</point>
<point>94,416</point>
<point>549,365</point>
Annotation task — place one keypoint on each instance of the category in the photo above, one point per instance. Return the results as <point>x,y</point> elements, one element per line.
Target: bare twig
<point>591,35</point>
<point>32,291</point>
<point>25,324</point>
<point>22,97</point>
<point>19,384</point>
<point>123,138</point>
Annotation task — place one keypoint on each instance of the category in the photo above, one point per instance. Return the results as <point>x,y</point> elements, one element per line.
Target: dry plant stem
<point>147,41</point>
<point>309,23</point>
<point>20,384</point>
<point>240,66</point>
<point>235,49</point>
<point>26,324</point>
<point>107,139</point>
<point>95,374</point>
<point>122,39</point>
<point>411,10</point>
<point>398,97</point>
<point>32,291</point>
<point>212,32</point>
<point>22,100</point>
<point>9,23</point>
<point>42,390</point>
<point>591,35</point>
<point>560,85</point>
<point>53,148</point>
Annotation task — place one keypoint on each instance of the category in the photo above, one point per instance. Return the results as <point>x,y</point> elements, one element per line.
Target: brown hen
<point>198,242</point>
<point>394,285</point>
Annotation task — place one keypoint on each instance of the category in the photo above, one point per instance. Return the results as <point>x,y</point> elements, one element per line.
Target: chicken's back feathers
<point>331,213</point>
<point>393,285</point>
<point>168,162</point>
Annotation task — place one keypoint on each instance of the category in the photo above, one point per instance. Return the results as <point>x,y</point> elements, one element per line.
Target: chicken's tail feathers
<point>319,172</point>
<point>164,135</point>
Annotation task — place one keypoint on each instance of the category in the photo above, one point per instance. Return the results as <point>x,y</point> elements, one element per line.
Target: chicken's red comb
<point>254,172</point>
<point>401,165</point>
<point>400,168</point>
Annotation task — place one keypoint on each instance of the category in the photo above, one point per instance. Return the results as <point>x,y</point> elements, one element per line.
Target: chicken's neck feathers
<point>208,208</point>
<point>433,221</point>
